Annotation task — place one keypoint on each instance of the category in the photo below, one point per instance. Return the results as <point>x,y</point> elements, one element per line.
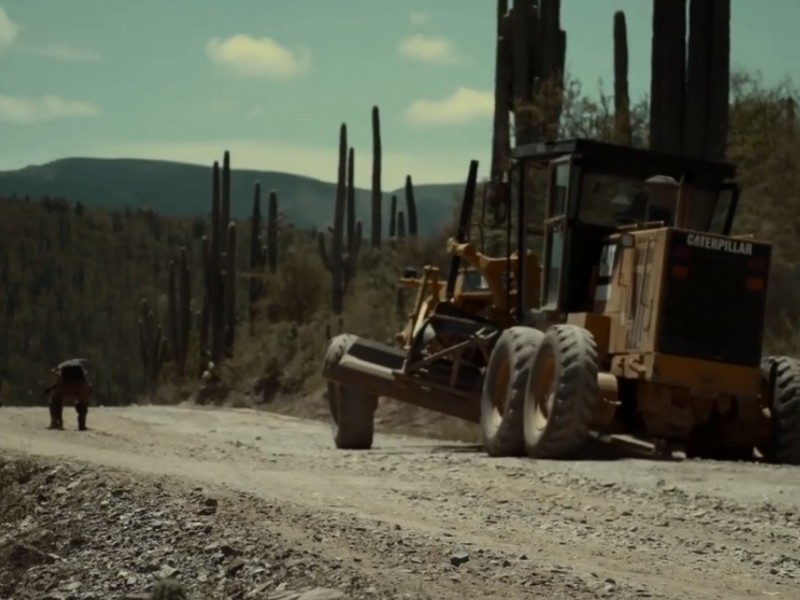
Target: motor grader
<point>621,305</point>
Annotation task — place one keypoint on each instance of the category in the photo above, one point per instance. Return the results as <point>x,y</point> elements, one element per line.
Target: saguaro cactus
<point>342,258</point>
<point>229,288</point>
<point>350,204</point>
<point>225,207</point>
<point>689,95</point>
<point>411,207</point>
<point>204,316</point>
<point>272,232</point>
<point>262,255</point>
<point>393,217</point>
<point>501,130</point>
<point>377,195</point>
<point>401,225</point>
<point>668,59</point>
<point>219,289</point>
<point>537,48</point>
<point>622,115</point>
<point>256,253</point>
<point>179,310</point>
<point>152,344</point>
<point>707,79</point>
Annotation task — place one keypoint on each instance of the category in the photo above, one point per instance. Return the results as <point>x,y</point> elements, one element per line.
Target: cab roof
<point>627,160</point>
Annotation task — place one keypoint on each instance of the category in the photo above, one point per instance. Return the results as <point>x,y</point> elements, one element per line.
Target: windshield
<point>612,201</point>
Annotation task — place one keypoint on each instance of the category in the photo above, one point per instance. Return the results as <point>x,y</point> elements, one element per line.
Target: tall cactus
<point>350,206</point>
<point>689,88</point>
<point>225,207</point>
<point>342,258</point>
<point>401,225</point>
<point>179,310</point>
<point>550,43</point>
<point>272,232</point>
<point>229,289</point>
<point>501,130</point>
<point>668,59</point>
<point>219,289</point>
<point>707,79</point>
<point>204,316</point>
<point>393,217</point>
<point>411,207</point>
<point>152,344</point>
<point>211,270</point>
<point>262,255</point>
<point>521,22</point>
<point>537,48</point>
<point>377,194</point>
<point>622,115</point>
<point>256,254</point>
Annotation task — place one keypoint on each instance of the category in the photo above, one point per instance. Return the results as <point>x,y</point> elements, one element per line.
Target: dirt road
<point>411,510</point>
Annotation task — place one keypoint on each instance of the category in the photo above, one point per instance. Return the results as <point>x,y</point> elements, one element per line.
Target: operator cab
<point>595,189</point>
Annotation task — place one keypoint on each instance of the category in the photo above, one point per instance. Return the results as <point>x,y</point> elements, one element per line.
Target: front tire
<point>503,394</point>
<point>782,375</point>
<point>561,393</point>
<point>352,411</point>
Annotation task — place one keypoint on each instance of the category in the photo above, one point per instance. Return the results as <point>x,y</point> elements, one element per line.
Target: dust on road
<point>627,528</point>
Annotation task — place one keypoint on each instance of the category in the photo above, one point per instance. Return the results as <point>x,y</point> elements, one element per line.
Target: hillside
<point>180,189</point>
<point>72,279</point>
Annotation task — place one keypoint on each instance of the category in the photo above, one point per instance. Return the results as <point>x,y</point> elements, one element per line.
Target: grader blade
<point>378,369</point>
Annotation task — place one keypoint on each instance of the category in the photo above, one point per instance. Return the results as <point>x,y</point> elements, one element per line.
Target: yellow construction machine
<point>621,306</point>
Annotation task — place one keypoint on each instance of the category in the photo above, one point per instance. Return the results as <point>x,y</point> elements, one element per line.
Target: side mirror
<point>626,240</point>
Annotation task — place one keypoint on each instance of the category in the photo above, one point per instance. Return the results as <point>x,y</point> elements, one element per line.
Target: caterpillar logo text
<point>720,244</point>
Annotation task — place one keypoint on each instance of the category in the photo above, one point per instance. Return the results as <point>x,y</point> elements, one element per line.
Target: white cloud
<point>428,49</point>
<point>419,18</point>
<point>248,56</point>
<point>68,53</point>
<point>462,106</point>
<point>309,160</point>
<point>29,110</point>
<point>8,30</point>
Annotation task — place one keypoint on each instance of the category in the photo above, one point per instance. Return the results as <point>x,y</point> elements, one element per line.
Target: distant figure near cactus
<point>72,383</point>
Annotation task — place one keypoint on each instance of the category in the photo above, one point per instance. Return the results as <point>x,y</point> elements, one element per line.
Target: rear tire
<point>503,394</point>
<point>561,393</point>
<point>782,374</point>
<point>352,411</point>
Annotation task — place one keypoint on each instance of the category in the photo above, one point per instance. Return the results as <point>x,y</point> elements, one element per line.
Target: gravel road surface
<point>428,519</point>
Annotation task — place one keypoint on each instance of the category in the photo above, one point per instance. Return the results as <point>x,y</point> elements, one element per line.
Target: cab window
<point>611,201</point>
<point>723,207</point>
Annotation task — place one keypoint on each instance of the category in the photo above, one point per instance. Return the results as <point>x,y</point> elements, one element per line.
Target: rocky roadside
<point>70,532</point>
<point>75,532</point>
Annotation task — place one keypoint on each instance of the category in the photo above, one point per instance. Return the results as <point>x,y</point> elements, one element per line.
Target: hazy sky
<point>271,80</point>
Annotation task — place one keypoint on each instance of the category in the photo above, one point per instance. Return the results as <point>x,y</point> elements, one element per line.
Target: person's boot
<point>59,413</point>
<point>53,417</point>
<point>56,421</point>
<point>82,412</point>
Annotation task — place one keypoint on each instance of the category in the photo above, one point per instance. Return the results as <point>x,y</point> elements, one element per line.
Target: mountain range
<point>181,189</point>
